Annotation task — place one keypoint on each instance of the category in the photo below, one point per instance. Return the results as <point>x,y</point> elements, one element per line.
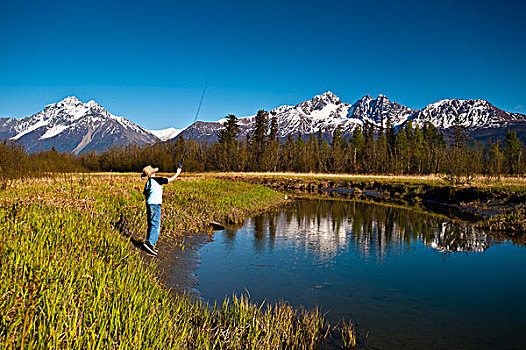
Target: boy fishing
<point>153,191</point>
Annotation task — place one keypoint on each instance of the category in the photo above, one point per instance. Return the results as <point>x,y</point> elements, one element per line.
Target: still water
<point>406,279</point>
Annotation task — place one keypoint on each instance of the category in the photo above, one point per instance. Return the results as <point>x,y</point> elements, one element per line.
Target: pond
<point>406,279</point>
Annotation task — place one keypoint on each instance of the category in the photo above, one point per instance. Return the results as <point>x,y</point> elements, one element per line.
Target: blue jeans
<point>153,212</point>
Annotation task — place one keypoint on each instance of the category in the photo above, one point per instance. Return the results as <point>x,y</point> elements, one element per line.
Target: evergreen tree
<point>273,135</point>
<point>272,154</point>
<point>417,148</point>
<point>227,152</point>
<point>258,143</point>
<point>319,138</point>
<point>391,137</point>
<point>324,156</point>
<point>287,154</point>
<point>402,152</point>
<point>434,149</point>
<point>382,158</point>
<point>409,130</point>
<point>357,144</point>
<point>409,133</point>
<point>338,150</point>
<point>230,130</point>
<point>242,163</point>
<point>299,154</point>
<point>512,152</point>
<point>369,156</point>
<point>311,154</point>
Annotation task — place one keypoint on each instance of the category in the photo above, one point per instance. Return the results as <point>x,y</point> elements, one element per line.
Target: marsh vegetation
<point>69,277</point>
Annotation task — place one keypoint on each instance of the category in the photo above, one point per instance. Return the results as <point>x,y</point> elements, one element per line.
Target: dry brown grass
<point>516,183</point>
<point>435,179</point>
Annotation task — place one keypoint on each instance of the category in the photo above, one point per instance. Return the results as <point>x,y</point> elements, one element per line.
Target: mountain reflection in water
<point>325,229</point>
<point>406,278</point>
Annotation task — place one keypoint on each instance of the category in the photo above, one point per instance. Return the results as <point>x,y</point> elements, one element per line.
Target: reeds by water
<point>68,279</point>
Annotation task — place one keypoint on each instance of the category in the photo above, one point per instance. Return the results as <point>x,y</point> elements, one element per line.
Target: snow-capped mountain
<point>319,113</point>
<point>380,111</point>
<point>473,114</point>
<point>166,134</point>
<point>482,120</point>
<point>322,113</point>
<point>325,112</point>
<point>73,126</point>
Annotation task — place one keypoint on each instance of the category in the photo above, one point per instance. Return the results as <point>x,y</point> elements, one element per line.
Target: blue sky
<point>149,60</point>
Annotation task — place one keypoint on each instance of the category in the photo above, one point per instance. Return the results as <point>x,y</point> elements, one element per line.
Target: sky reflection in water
<point>409,279</point>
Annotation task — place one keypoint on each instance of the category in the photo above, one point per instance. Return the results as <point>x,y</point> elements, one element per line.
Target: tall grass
<point>512,222</point>
<point>68,279</point>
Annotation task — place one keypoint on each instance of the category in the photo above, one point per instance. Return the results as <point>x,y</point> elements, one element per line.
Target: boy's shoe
<point>149,248</point>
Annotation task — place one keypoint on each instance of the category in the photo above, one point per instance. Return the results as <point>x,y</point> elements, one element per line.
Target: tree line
<point>369,150</point>
<point>16,163</point>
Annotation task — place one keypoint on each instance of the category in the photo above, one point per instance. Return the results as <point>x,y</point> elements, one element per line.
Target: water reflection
<point>325,229</point>
<point>458,237</point>
<point>396,272</point>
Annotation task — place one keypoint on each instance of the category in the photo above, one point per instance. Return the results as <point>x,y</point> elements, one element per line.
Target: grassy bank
<point>513,222</point>
<point>68,278</point>
<point>516,184</point>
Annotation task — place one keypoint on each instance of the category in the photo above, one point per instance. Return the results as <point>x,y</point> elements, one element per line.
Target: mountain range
<point>74,126</point>
<point>326,111</point>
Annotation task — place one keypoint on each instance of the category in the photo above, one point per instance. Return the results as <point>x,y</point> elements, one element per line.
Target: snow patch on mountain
<point>166,134</point>
<point>54,131</point>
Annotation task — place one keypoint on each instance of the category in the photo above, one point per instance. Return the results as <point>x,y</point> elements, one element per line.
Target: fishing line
<point>195,119</point>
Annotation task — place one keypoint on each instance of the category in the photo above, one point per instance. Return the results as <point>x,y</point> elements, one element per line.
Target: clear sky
<point>149,60</point>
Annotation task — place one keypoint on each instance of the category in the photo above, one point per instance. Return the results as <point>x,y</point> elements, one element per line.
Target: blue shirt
<point>153,190</point>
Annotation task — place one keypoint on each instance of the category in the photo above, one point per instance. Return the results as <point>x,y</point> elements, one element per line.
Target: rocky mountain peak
<point>74,126</point>
<point>473,114</point>
<point>69,99</point>
<point>381,99</point>
<point>378,111</point>
<point>319,102</point>
<point>330,98</point>
<point>92,103</point>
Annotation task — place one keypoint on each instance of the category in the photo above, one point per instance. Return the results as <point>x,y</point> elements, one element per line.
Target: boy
<point>153,191</point>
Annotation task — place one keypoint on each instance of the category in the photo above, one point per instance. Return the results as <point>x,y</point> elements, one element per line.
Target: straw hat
<point>148,171</point>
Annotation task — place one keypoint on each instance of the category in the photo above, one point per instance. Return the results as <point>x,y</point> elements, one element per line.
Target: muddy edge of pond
<point>499,210</point>
<point>178,253</point>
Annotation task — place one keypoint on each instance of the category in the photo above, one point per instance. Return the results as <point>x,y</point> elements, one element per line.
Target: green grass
<point>68,278</point>
<point>513,222</point>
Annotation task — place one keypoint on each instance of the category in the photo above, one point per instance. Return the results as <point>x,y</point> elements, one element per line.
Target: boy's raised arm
<point>170,179</point>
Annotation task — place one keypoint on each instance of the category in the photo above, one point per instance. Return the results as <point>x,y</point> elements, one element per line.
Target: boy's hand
<point>170,179</point>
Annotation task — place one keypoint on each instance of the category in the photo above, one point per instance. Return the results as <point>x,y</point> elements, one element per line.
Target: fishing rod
<point>180,164</point>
